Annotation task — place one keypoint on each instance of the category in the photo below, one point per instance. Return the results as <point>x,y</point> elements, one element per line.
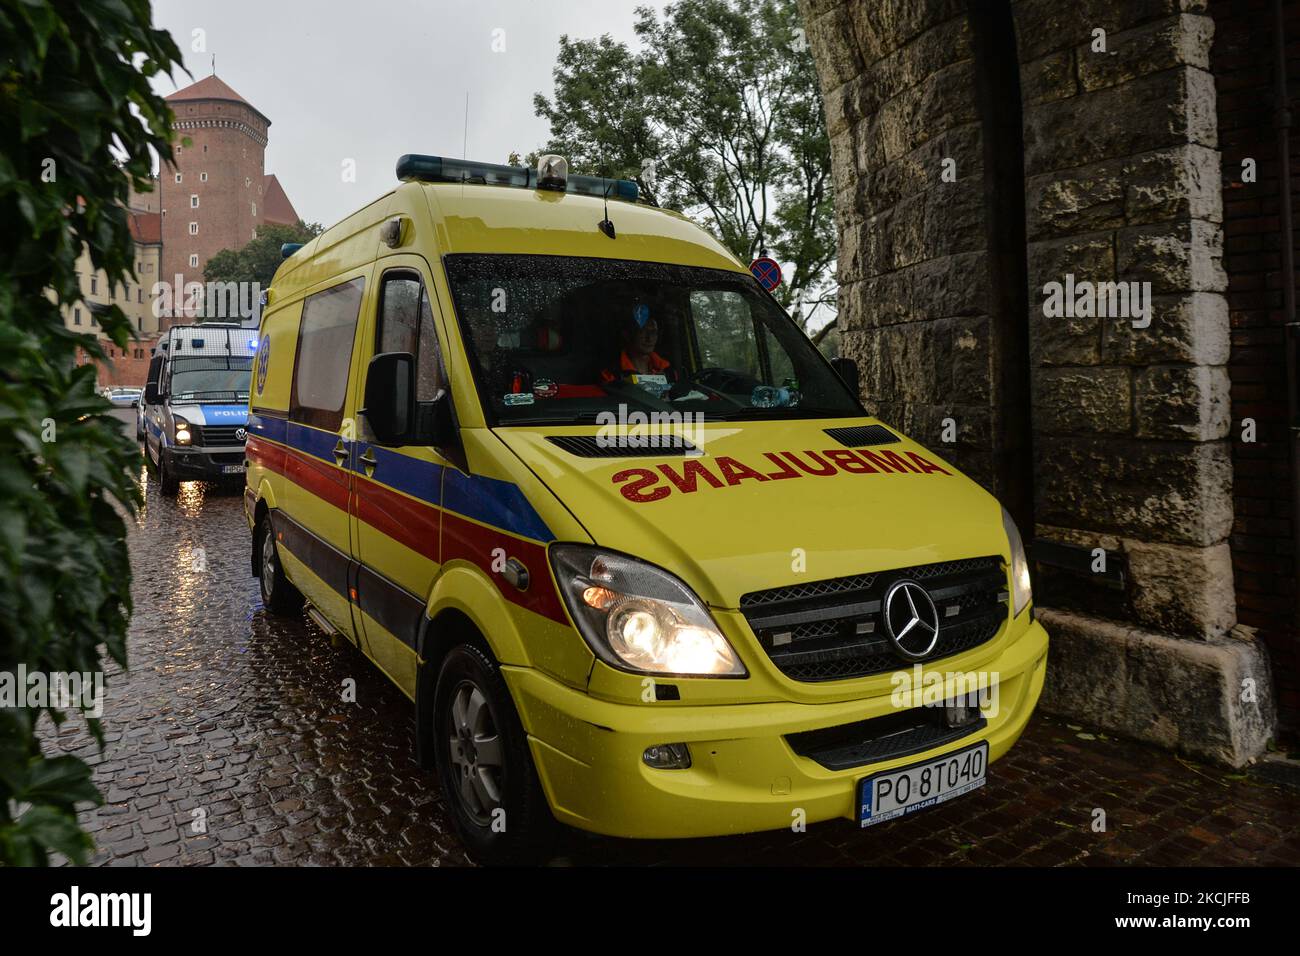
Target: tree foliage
<point>257,260</point>
<point>77,122</point>
<point>718,114</point>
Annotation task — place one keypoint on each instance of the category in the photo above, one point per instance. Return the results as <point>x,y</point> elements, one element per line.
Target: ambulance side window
<point>320,371</point>
<point>406,325</point>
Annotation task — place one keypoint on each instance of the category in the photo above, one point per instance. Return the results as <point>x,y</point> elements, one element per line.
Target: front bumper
<point>744,775</point>
<point>204,464</point>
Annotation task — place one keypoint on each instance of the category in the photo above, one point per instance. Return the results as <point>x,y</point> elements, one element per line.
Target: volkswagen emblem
<point>241,433</point>
<point>911,619</point>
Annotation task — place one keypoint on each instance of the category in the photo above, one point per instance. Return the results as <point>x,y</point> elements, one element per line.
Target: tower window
<point>178,177</point>
<point>194,229</point>
<point>194,262</point>
<point>203,177</point>
<point>194,200</point>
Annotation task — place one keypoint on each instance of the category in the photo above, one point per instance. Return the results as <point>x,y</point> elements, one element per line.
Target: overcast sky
<point>373,80</point>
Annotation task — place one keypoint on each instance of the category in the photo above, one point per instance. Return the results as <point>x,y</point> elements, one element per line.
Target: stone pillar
<point>1123,186</point>
<point>900,95</point>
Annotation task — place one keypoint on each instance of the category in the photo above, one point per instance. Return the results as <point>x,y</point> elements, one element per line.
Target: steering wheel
<point>723,380</point>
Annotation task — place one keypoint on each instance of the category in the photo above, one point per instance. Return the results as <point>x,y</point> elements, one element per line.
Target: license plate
<point>232,469</point>
<point>896,793</point>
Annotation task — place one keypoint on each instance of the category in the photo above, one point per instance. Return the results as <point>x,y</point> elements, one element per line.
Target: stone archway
<point>1126,414</point>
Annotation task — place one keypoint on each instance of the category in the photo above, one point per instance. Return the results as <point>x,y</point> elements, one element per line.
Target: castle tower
<point>214,196</point>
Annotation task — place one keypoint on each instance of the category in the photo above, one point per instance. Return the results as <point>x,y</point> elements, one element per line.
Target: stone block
<point>1181,40</point>
<point>1182,402</point>
<point>1044,26</point>
<point>1092,401</point>
<point>1184,256</point>
<point>1175,492</point>
<point>1172,108</point>
<point>1181,590</point>
<point>1191,328</point>
<point>1211,700</point>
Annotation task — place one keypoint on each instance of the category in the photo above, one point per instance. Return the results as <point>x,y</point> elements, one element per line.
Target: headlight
<point>1020,591</point>
<point>181,430</point>
<point>638,617</point>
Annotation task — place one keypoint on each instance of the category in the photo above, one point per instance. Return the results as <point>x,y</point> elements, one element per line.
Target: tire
<point>168,483</point>
<point>279,596</point>
<point>472,706</point>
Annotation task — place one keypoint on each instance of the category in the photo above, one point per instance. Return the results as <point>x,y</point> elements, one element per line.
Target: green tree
<point>78,122</point>
<point>257,260</point>
<point>717,114</point>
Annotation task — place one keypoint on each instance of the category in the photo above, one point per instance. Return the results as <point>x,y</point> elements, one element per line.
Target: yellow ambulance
<point>558,465</point>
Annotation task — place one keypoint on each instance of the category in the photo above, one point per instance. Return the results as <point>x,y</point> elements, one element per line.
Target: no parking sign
<point>767,271</point>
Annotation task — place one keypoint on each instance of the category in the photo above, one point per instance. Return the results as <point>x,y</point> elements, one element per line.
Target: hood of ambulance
<point>757,531</point>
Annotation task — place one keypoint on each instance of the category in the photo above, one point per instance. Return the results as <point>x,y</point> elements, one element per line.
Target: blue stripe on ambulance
<point>489,501</point>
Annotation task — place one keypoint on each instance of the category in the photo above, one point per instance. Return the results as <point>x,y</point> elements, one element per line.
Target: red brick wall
<point>227,141</point>
<point>128,367</point>
<point>1242,61</point>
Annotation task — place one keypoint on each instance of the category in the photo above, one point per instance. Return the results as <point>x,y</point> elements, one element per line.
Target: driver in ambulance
<point>639,364</point>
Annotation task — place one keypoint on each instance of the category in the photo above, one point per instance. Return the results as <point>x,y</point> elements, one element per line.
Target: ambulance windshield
<point>560,340</point>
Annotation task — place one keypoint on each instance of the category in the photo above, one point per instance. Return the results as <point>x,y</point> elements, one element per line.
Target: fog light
<point>667,757</point>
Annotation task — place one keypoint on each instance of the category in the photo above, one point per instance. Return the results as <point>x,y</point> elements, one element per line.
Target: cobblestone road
<point>238,717</point>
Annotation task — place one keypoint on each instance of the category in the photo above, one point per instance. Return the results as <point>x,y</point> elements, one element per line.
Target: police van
<point>194,412</point>
<point>556,463</point>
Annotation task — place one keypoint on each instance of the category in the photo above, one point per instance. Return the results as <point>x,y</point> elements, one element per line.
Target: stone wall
<point>913,267</point>
<point>1121,184</point>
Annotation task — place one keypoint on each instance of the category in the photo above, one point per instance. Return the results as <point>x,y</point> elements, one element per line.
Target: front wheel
<point>279,596</point>
<point>168,483</point>
<point>484,766</point>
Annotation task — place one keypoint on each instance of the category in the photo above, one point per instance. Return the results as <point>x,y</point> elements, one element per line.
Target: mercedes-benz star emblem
<point>911,619</point>
<point>241,434</point>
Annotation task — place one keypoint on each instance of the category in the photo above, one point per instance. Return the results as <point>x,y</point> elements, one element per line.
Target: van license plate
<point>232,469</point>
<point>896,793</point>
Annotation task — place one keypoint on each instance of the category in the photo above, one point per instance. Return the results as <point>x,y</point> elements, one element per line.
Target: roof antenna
<point>605,225</point>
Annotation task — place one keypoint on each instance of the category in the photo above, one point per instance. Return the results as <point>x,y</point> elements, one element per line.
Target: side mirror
<point>152,393</point>
<point>394,415</point>
<point>390,396</point>
<point>847,369</point>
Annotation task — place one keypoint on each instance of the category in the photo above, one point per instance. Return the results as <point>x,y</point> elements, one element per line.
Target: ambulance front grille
<point>834,630</point>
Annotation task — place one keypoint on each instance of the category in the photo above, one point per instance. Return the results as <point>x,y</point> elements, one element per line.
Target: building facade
<point>1058,268</point>
<point>215,192</point>
<point>213,195</point>
<point>122,366</point>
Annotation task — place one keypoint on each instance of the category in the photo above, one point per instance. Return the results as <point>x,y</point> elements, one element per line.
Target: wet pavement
<point>229,742</point>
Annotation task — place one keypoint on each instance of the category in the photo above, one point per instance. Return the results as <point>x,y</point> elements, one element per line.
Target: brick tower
<point>215,194</point>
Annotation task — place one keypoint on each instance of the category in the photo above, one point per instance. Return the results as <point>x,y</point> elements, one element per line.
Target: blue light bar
<point>440,169</point>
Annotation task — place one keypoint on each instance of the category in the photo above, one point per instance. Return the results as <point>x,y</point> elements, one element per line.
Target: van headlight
<point>181,430</point>
<point>639,617</point>
<point>1020,591</point>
